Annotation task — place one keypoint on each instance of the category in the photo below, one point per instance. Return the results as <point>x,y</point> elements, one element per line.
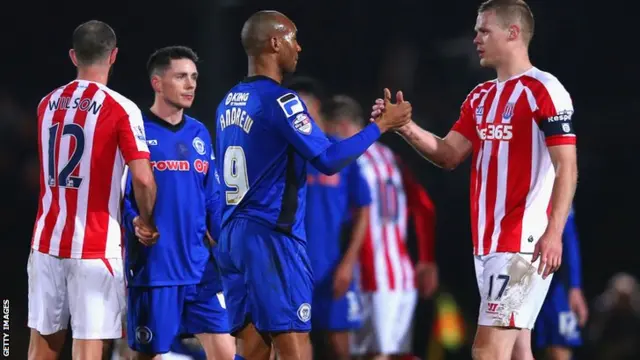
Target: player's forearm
<point>341,153</point>
<point>361,223</point>
<point>428,145</point>
<point>564,187</point>
<point>145,194</point>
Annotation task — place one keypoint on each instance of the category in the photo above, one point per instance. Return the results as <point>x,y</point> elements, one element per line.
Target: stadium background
<point>355,47</point>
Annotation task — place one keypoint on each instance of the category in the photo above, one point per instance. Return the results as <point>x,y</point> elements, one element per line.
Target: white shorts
<point>387,323</point>
<point>511,291</point>
<point>90,291</point>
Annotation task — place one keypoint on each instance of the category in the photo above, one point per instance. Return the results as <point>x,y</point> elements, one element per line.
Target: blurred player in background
<point>565,309</point>
<point>388,277</point>
<point>173,286</point>
<point>87,134</point>
<point>265,137</point>
<point>523,177</point>
<point>335,203</point>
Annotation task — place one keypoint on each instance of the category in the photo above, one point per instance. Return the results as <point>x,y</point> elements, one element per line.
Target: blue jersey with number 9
<point>264,138</point>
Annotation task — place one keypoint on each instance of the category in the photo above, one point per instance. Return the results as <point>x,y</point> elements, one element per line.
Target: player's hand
<point>210,238</point>
<point>427,276</point>
<point>378,108</point>
<point>578,305</point>
<point>147,234</point>
<point>396,115</point>
<point>549,250</point>
<point>342,279</point>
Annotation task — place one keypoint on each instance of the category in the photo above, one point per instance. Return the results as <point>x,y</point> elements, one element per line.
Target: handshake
<point>390,116</point>
<point>147,234</point>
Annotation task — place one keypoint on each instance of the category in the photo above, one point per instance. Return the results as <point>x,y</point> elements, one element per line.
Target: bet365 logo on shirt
<point>495,132</point>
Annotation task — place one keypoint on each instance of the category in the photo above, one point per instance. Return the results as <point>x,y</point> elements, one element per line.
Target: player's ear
<point>72,55</point>
<point>112,56</point>
<point>156,83</point>
<point>275,44</point>
<point>514,32</point>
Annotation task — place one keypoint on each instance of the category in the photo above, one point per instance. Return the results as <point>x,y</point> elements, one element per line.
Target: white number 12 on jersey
<point>235,174</point>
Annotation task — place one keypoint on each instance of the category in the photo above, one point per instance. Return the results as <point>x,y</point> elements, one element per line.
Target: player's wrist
<point>382,127</point>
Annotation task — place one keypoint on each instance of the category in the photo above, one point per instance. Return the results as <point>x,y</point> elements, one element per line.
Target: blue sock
<point>238,357</point>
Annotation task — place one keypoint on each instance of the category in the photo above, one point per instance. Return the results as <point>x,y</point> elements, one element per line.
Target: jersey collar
<point>155,119</point>
<point>253,78</point>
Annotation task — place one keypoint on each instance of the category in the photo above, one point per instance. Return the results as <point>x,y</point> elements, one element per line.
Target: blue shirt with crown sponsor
<point>186,207</point>
<point>264,139</point>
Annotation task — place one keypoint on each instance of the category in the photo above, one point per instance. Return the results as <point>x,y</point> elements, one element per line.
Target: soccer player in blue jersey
<point>264,139</point>
<point>335,203</point>
<point>565,310</point>
<point>173,285</point>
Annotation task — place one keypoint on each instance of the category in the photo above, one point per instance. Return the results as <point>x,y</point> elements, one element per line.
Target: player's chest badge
<point>507,114</point>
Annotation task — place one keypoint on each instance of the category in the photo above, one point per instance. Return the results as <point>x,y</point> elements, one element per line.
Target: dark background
<point>355,47</point>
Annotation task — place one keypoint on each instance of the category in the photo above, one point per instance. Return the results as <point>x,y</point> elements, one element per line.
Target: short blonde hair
<point>509,11</point>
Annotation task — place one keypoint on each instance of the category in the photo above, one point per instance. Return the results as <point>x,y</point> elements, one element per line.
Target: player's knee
<point>559,353</point>
<point>45,347</point>
<point>292,346</point>
<point>489,351</point>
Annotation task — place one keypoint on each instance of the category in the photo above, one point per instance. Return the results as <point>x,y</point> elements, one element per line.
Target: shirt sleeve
<point>212,192</point>
<point>357,187</point>
<point>131,136</point>
<point>293,121</point>
<point>554,114</point>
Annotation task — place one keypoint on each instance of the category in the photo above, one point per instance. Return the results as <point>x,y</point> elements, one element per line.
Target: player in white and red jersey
<point>523,178</point>
<point>87,134</point>
<point>388,278</point>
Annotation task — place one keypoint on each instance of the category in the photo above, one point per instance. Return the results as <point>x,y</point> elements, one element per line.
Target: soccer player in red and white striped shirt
<point>87,134</point>
<point>389,281</point>
<point>523,178</point>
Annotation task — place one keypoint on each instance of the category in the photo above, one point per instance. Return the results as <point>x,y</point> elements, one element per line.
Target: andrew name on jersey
<point>180,156</point>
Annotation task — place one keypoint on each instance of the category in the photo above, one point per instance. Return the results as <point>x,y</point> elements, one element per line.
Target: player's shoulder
<point>477,92</point>
<point>115,103</point>
<point>543,84</point>
<point>196,124</point>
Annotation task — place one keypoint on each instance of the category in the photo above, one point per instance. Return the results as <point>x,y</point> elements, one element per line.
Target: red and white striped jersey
<point>511,125</point>
<point>86,134</point>
<point>385,263</point>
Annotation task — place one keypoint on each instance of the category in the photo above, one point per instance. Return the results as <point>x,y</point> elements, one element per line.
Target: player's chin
<point>484,62</point>
<point>186,104</point>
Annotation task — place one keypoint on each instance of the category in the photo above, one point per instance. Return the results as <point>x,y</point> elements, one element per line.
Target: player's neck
<point>166,112</point>
<point>516,65</point>
<point>97,74</point>
<point>264,67</point>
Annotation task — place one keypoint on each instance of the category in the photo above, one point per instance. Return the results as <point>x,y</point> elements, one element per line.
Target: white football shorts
<point>387,323</point>
<point>90,291</point>
<point>511,291</point>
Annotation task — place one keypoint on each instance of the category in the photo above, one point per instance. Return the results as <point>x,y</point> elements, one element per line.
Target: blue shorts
<point>157,315</point>
<point>330,314</point>
<point>557,325</point>
<point>266,276</point>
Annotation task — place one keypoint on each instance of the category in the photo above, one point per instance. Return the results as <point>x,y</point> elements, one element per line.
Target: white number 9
<point>235,174</point>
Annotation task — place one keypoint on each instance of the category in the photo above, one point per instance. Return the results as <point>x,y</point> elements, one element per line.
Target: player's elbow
<point>449,162</point>
<point>141,174</point>
<point>143,180</point>
<point>322,164</point>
